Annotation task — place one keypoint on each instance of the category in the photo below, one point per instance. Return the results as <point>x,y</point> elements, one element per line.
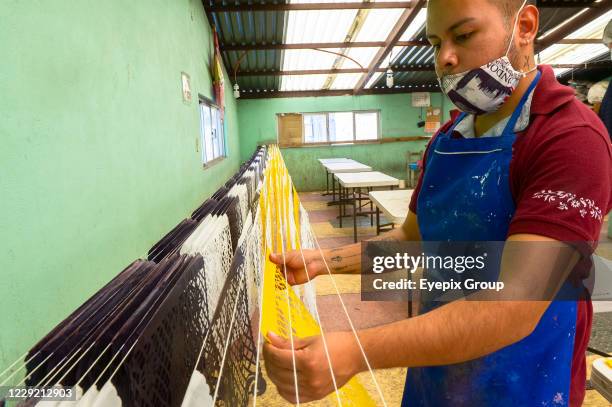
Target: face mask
<point>485,89</point>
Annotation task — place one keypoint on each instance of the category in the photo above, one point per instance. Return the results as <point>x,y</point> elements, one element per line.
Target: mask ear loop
<point>514,27</point>
<point>523,74</point>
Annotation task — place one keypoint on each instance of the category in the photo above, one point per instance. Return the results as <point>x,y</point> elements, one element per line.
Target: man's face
<point>465,34</point>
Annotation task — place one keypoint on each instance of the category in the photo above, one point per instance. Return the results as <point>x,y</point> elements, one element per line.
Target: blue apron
<point>466,196</point>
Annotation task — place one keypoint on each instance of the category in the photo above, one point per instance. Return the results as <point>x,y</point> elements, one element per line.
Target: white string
<point>227,341</point>
<point>350,323</point>
<point>321,326</point>
<point>201,351</point>
<point>62,363</point>
<point>32,372</point>
<point>60,344</point>
<point>349,318</point>
<point>15,362</point>
<point>152,311</point>
<point>259,334</point>
<point>55,371</point>
<point>295,379</point>
<point>248,233</point>
<point>82,341</point>
<point>50,375</point>
<point>94,363</point>
<point>147,316</point>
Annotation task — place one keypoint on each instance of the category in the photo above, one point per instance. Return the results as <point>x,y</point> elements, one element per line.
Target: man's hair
<point>509,8</point>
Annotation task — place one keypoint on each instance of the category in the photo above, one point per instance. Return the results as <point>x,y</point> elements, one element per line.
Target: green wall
<point>258,124</point>
<point>98,156</point>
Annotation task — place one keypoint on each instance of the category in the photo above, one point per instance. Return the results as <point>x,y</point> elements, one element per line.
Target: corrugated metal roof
<point>318,25</point>
<point>411,57</point>
<point>303,82</point>
<point>252,28</point>
<point>414,31</point>
<point>346,81</point>
<point>309,59</point>
<point>378,24</point>
<point>578,53</point>
<point>362,55</point>
<point>315,26</point>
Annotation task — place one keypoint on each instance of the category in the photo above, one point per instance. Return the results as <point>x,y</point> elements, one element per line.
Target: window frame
<point>216,138</point>
<point>327,135</point>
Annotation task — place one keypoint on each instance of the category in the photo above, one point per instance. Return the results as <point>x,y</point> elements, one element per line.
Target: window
<point>315,128</point>
<point>341,127</point>
<point>213,137</point>
<point>366,124</point>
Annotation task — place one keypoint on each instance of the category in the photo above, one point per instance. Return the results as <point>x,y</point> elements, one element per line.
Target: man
<point>525,162</point>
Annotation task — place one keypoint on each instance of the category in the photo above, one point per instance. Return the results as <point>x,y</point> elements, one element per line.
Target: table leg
<point>326,182</point>
<point>371,208</point>
<point>354,217</point>
<point>333,188</point>
<point>377,221</point>
<point>341,204</point>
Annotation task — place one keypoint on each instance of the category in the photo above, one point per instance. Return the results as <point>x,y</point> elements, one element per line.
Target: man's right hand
<point>293,264</point>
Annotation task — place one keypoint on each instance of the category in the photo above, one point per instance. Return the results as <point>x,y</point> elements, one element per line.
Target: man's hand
<point>312,366</point>
<point>294,265</point>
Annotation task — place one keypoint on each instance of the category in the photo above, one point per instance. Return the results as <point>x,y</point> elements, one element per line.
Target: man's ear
<point>528,25</point>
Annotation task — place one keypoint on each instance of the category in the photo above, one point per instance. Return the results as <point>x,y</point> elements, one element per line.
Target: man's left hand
<point>312,364</point>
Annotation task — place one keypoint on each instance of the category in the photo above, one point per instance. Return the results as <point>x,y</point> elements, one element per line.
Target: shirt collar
<point>550,94</point>
<point>466,126</point>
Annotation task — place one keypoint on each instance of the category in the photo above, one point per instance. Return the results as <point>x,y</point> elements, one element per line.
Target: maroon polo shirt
<point>561,183</point>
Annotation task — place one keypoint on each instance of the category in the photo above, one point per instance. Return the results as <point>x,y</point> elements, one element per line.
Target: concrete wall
<point>98,158</point>
<point>258,124</point>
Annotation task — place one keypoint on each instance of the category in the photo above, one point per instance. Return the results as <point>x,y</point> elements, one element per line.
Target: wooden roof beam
<point>398,29</point>
<point>229,8</point>
<point>419,68</point>
<point>362,44</point>
<point>335,92</point>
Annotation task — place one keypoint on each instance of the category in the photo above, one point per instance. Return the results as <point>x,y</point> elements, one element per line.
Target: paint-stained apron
<point>466,196</point>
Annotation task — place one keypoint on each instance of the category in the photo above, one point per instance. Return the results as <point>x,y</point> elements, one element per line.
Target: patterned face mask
<point>485,89</point>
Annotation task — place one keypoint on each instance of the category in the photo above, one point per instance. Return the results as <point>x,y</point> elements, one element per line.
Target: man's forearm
<point>484,322</point>
<point>347,259</point>
<point>454,333</point>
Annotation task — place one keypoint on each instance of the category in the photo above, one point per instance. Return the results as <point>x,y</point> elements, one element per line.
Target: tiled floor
<point>367,314</point>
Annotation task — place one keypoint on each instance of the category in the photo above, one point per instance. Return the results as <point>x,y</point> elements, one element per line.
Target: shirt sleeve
<point>563,189</point>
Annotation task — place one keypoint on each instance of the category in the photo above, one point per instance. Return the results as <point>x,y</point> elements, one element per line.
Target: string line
<point>261,299</point>
<point>279,238</point>
<point>317,316</point>
<point>349,319</point>
<point>227,341</point>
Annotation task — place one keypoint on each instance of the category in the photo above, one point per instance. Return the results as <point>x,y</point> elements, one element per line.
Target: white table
<point>324,161</point>
<point>343,168</point>
<point>355,181</point>
<point>346,167</point>
<point>334,160</point>
<point>393,204</point>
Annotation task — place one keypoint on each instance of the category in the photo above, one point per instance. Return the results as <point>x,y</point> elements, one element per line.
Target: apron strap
<point>457,121</point>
